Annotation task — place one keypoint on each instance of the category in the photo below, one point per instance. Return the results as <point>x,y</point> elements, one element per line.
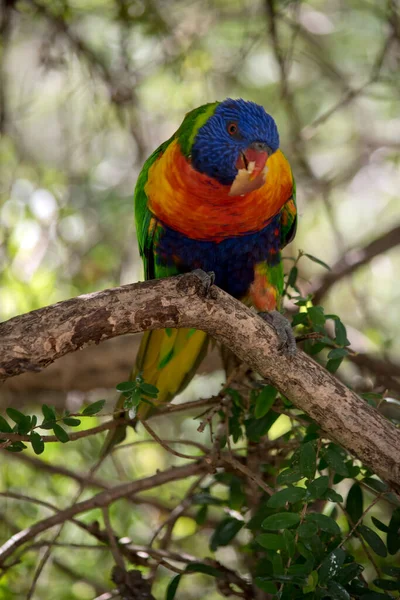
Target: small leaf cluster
<point>312,320</point>
<point>28,425</point>
<point>136,391</point>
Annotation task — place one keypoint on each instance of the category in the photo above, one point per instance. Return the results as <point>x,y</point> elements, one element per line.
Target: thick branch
<point>352,260</point>
<point>36,339</point>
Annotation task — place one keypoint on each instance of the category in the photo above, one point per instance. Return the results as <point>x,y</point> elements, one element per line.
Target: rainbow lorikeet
<point>219,195</point>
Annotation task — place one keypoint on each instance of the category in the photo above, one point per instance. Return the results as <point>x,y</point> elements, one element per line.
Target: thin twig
<point>113,542</point>
<point>164,445</point>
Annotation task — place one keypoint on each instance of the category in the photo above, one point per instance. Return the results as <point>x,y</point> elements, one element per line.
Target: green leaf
<point>333,496</point>
<point>172,587</point>
<point>318,261</point>
<point>318,487</point>
<point>126,386</point>
<point>235,396</point>
<point>24,426</point>
<point>60,433</point>
<point>277,565</point>
<point>324,522</point>
<point>314,347</point>
<point>379,525</point>
<point>393,535</point>
<point>225,532</point>
<point>71,422</point>
<point>316,315</point>
<point>307,530</point>
<point>5,427</point>
<point>290,544</point>
<point>150,390</point>
<point>198,567</point>
<point>256,428</point>
<point>206,499</point>
<point>201,515</point>
<point>301,570</point>
<point>16,447</point>
<point>373,540</point>
<point>93,408</point>
<point>349,572</point>
<point>49,413</point>
<point>312,581</point>
<point>236,494</point>
<point>37,442</point>
<point>17,416</point>
<point>337,591</point>
<point>47,424</point>
<point>266,585</point>
<point>392,571</point>
<point>337,353</point>
<point>331,565</point>
<point>387,584</point>
<point>264,401</point>
<point>290,494</point>
<point>288,476</point>
<point>300,319</point>
<point>376,484</point>
<point>354,503</point>
<point>271,541</point>
<point>336,462</point>
<point>283,520</point>
<point>333,365</point>
<point>341,333</point>
<point>133,400</point>
<point>308,460</point>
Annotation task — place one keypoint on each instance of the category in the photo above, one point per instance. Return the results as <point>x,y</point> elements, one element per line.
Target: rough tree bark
<point>34,340</point>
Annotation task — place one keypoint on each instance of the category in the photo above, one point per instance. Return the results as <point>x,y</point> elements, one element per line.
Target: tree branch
<point>34,340</point>
<point>100,500</point>
<point>352,260</point>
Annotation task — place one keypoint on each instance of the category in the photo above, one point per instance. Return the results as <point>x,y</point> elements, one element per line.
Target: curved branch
<point>352,260</point>
<point>36,339</point>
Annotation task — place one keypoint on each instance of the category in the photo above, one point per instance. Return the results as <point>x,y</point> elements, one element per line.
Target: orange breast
<point>201,208</point>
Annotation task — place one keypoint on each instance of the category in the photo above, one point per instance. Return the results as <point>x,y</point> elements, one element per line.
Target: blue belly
<point>232,259</point>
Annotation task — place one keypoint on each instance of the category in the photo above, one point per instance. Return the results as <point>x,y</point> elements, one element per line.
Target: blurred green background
<point>87,90</point>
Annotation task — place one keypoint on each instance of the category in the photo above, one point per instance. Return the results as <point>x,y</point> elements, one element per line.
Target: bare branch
<point>352,260</point>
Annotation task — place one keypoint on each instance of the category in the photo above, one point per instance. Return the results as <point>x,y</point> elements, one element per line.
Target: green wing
<point>145,230</point>
<point>289,219</point>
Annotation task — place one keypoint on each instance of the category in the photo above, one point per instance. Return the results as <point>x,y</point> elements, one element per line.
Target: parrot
<point>218,195</point>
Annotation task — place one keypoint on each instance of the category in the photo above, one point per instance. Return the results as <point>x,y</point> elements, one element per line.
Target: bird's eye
<point>232,128</point>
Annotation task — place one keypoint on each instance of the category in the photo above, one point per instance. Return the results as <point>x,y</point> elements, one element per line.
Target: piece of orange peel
<point>245,182</point>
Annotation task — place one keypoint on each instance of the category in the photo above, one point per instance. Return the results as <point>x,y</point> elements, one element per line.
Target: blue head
<point>236,127</point>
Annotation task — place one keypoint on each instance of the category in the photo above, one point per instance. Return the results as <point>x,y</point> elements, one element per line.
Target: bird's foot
<point>283,329</point>
<point>207,279</point>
